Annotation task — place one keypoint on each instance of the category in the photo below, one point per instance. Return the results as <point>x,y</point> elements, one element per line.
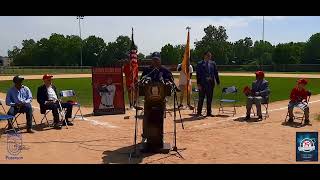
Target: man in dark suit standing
<point>207,75</point>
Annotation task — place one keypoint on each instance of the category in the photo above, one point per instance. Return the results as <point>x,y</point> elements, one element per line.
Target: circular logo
<point>306,145</point>
<point>14,144</point>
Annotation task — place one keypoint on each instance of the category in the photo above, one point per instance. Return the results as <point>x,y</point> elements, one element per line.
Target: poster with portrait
<point>108,91</point>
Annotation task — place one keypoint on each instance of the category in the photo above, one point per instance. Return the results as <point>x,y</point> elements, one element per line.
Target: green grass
<point>280,87</point>
<point>82,87</point>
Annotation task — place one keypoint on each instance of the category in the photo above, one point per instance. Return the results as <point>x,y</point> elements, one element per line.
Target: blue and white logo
<point>14,146</point>
<point>307,146</point>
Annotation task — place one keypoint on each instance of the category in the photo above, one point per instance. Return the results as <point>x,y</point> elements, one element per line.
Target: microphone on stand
<point>161,78</point>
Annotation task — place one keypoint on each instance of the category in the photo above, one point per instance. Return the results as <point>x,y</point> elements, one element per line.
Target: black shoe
<point>210,115</point>
<point>198,115</point>
<point>68,123</point>
<point>290,120</point>
<point>260,118</point>
<point>307,122</point>
<point>247,118</point>
<point>10,127</point>
<point>144,140</point>
<point>29,130</point>
<point>57,126</point>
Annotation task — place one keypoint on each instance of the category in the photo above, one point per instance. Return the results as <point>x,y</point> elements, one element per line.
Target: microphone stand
<point>174,90</point>
<point>175,99</point>
<point>135,153</point>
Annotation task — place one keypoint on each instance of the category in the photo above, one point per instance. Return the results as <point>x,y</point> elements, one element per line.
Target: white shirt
<point>183,77</point>
<point>107,97</point>
<point>51,93</point>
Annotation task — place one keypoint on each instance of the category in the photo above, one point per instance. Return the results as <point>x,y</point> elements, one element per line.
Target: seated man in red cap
<point>48,100</point>
<point>298,98</point>
<point>258,94</point>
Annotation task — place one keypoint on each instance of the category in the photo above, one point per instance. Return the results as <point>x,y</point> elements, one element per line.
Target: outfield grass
<point>82,87</point>
<point>280,87</point>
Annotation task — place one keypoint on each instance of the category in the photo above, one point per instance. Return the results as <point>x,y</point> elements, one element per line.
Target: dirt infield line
<point>270,110</point>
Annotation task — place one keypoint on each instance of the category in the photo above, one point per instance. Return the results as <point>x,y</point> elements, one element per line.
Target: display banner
<point>108,92</point>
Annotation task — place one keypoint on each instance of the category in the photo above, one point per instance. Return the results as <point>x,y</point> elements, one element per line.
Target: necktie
<point>207,65</point>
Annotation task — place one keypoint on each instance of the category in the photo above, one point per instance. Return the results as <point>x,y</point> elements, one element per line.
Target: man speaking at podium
<point>157,76</point>
<point>156,71</point>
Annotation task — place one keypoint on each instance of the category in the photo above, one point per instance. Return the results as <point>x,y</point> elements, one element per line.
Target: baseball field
<point>219,139</point>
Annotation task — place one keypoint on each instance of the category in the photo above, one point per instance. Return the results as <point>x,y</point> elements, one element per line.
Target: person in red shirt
<point>298,98</point>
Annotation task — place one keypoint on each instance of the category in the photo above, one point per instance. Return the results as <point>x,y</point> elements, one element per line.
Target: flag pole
<point>132,77</point>
<point>188,64</point>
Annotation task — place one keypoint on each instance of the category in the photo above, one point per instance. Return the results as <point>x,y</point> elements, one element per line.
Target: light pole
<point>80,17</point>
<point>262,28</point>
<point>262,40</point>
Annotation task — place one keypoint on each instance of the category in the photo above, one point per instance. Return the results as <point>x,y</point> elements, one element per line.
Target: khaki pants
<point>183,93</point>
<point>302,105</point>
<point>254,100</point>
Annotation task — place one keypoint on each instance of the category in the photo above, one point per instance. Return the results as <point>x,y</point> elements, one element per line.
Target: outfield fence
<point>87,69</point>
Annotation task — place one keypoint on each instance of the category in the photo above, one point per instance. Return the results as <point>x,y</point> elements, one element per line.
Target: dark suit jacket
<point>262,89</point>
<point>42,97</point>
<point>202,73</point>
<point>155,74</point>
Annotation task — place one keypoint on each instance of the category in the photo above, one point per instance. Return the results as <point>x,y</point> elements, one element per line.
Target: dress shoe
<point>306,122</point>
<point>10,127</point>
<point>69,123</point>
<point>30,130</point>
<point>57,126</point>
<point>210,115</point>
<point>247,118</point>
<point>198,115</point>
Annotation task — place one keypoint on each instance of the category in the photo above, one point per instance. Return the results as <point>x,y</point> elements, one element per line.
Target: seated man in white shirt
<point>48,100</point>
<point>183,85</point>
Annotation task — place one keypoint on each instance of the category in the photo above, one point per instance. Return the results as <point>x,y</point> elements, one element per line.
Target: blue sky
<point>153,32</point>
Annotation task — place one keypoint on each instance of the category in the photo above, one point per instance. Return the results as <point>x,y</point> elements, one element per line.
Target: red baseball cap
<point>47,76</point>
<point>260,74</point>
<point>302,81</point>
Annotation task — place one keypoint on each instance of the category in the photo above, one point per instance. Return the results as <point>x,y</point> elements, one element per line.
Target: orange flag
<point>186,64</point>
<point>186,58</point>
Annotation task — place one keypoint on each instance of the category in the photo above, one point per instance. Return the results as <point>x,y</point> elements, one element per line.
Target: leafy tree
<point>312,52</point>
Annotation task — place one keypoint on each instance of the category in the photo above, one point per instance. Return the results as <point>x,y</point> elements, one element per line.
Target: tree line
<point>60,50</point>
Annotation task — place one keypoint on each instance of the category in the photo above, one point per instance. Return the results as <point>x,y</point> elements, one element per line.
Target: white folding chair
<point>15,120</point>
<point>72,94</point>
<point>45,118</point>
<point>301,107</point>
<point>265,104</point>
<point>8,118</point>
<point>195,97</point>
<point>232,90</point>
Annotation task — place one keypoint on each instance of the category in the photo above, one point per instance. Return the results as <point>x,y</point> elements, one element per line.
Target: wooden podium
<point>154,106</point>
